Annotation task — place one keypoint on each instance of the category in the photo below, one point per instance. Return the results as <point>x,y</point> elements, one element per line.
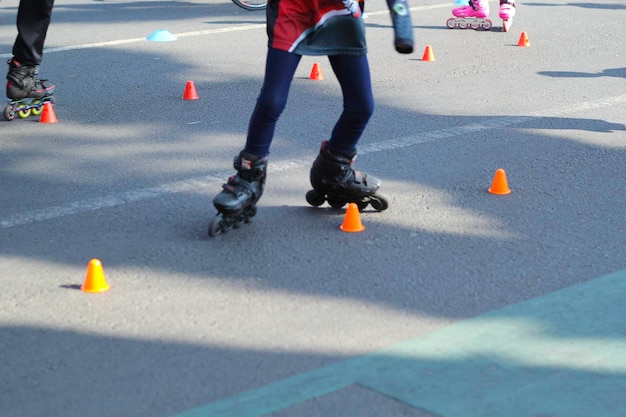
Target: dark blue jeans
<point>353,75</point>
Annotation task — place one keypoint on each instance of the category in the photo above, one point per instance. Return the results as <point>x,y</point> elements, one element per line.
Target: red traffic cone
<point>428,54</point>
<point>316,72</point>
<point>47,115</point>
<point>190,92</point>
<point>523,40</point>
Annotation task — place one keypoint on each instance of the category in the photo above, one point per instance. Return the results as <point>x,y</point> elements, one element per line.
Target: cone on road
<point>352,219</point>
<point>47,115</point>
<point>94,278</point>
<point>428,54</point>
<point>500,185</point>
<point>316,72</point>
<point>161,35</point>
<point>190,91</point>
<point>523,40</point>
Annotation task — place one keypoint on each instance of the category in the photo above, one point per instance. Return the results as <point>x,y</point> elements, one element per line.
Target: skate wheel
<point>36,111</point>
<point>24,113</point>
<point>463,25</point>
<point>314,198</point>
<point>9,113</point>
<point>215,226</point>
<point>251,213</point>
<point>379,202</point>
<point>450,23</point>
<point>336,203</point>
<point>506,24</point>
<point>474,25</point>
<point>362,205</point>
<point>487,25</point>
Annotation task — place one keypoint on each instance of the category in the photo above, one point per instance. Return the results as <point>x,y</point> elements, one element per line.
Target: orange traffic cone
<point>523,40</point>
<point>428,54</point>
<point>190,92</point>
<point>500,184</point>
<point>47,115</point>
<point>352,219</point>
<point>94,279</point>
<point>316,72</point>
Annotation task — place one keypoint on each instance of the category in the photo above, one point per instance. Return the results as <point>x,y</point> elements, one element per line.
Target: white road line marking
<point>197,33</point>
<point>217,179</point>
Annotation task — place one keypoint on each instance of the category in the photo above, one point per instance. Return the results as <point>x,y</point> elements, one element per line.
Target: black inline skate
<point>27,94</point>
<point>334,180</point>
<point>236,203</point>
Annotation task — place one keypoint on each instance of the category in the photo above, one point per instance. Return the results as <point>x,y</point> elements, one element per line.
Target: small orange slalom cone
<point>316,72</point>
<point>352,219</point>
<point>523,40</point>
<point>500,185</point>
<point>94,278</point>
<point>190,91</point>
<point>47,114</point>
<point>428,54</point>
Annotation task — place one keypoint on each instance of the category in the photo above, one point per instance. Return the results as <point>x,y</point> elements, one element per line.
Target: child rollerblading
<point>23,84</point>
<point>333,28</point>
<point>506,13</point>
<point>26,92</point>
<point>474,15</point>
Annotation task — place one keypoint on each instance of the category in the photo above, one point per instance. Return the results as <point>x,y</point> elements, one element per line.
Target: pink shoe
<point>476,8</point>
<point>507,11</point>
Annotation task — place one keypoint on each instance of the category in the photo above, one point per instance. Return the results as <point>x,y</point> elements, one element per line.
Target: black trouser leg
<point>33,19</point>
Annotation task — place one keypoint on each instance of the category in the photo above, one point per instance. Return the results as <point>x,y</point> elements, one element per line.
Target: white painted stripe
<point>217,179</point>
<point>135,40</point>
<point>198,33</point>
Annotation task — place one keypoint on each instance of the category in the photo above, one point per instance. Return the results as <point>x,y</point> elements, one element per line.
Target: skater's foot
<point>22,82</point>
<point>243,189</point>
<point>476,8</point>
<point>506,13</point>
<point>335,180</point>
<point>333,173</point>
<point>236,203</point>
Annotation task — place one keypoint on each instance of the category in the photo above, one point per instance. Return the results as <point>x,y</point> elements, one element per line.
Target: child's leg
<point>332,175</point>
<point>280,67</point>
<point>358,102</point>
<point>507,11</point>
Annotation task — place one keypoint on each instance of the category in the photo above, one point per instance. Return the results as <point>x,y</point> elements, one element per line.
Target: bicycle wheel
<point>251,4</point>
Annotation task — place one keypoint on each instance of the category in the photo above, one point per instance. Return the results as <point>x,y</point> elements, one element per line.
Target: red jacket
<point>314,27</point>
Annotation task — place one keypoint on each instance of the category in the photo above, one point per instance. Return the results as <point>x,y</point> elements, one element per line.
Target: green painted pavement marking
<point>561,354</point>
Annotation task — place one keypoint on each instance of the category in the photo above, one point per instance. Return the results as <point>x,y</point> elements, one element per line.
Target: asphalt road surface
<point>454,302</point>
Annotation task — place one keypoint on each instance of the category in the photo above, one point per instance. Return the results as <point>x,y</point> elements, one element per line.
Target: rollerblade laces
<point>236,203</point>
<point>506,13</point>
<point>474,15</point>
<point>27,93</point>
<point>334,180</point>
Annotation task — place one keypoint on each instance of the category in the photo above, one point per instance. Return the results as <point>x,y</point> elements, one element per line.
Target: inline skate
<point>334,180</point>
<point>27,93</point>
<point>236,203</point>
<point>474,15</point>
<point>507,11</point>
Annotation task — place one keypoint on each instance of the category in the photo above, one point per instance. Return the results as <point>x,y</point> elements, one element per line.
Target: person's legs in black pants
<point>33,19</point>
